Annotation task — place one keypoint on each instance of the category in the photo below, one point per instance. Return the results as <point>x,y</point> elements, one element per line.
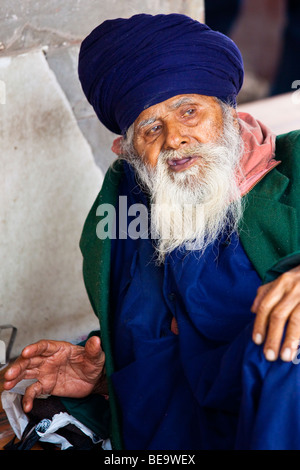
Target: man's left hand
<point>277,305</point>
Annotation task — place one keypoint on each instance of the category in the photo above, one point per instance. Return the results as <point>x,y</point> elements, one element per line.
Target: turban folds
<point>128,65</point>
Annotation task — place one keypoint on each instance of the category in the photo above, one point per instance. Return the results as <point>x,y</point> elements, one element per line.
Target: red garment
<point>259,150</point>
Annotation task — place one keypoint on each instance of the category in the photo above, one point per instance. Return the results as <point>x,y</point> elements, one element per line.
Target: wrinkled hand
<point>60,368</point>
<point>276,305</point>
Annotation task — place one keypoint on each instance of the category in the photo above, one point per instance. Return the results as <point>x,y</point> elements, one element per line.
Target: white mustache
<point>207,152</point>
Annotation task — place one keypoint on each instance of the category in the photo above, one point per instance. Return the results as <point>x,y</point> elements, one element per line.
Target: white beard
<point>193,207</point>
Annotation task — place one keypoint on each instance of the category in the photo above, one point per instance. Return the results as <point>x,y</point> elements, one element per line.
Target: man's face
<point>178,123</point>
<point>186,152</point>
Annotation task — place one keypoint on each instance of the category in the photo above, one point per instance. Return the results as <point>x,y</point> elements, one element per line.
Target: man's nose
<point>175,137</point>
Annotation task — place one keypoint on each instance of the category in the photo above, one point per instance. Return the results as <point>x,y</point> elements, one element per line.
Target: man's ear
<point>117,146</point>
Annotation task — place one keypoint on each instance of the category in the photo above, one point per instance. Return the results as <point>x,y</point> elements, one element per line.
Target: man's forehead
<point>176,102</point>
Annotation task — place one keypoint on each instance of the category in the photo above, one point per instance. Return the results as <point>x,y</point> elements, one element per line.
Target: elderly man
<point>176,301</point>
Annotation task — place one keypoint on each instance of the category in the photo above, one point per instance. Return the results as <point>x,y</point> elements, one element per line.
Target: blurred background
<point>267,33</point>
<point>54,152</point>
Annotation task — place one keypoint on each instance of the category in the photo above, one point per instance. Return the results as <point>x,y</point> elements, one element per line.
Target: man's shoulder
<point>288,143</point>
<point>112,177</point>
<point>292,135</point>
<point>109,189</point>
<point>286,175</point>
<point>107,196</point>
<point>288,152</point>
<point>110,184</point>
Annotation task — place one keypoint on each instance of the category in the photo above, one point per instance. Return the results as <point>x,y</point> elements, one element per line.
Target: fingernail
<point>286,355</point>
<point>270,355</point>
<point>258,339</point>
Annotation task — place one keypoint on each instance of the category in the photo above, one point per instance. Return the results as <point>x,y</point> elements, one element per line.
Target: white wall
<point>53,155</point>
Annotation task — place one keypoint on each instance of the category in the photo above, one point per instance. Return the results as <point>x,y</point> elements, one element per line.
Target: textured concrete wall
<point>57,28</point>
<point>48,181</point>
<point>30,23</point>
<point>53,155</point>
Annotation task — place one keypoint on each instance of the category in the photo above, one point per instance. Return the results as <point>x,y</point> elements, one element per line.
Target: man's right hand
<point>60,368</point>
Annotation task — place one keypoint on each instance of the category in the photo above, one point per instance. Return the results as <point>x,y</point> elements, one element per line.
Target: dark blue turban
<point>128,65</point>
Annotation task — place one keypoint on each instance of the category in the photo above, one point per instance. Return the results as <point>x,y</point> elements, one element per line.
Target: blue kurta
<point>209,387</point>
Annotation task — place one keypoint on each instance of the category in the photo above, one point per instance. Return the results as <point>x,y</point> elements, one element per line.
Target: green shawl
<point>269,233</point>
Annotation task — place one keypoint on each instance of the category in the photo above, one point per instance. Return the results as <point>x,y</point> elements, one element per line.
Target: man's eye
<point>154,129</point>
<point>189,112</point>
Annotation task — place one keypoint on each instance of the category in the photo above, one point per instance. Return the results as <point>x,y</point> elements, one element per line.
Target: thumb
<point>93,347</point>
